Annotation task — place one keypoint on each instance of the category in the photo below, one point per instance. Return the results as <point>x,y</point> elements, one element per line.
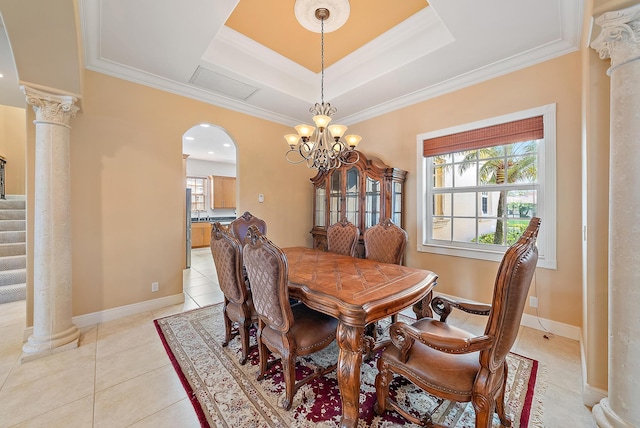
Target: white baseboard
<point>122,311</point>
<point>16,197</point>
<point>590,394</point>
<point>94,318</point>
<point>555,327</point>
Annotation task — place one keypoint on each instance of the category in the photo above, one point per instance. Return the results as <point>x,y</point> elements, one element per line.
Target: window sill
<point>495,256</point>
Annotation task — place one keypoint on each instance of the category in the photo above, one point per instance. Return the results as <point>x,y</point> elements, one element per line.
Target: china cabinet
<point>365,192</point>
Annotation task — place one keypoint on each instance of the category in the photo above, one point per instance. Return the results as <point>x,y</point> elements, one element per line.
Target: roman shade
<point>531,128</point>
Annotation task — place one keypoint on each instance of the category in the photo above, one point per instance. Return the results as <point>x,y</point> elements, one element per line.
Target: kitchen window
<point>480,183</point>
<point>198,187</point>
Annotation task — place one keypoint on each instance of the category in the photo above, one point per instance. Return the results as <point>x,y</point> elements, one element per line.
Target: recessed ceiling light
<point>189,138</point>
<point>227,145</point>
<point>210,153</point>
<point>1,75</point>
<point>205,125</point>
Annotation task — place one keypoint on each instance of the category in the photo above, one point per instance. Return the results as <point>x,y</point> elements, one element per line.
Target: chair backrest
<point>509,295</point>
<point>240,226</point>
<point>268,273</point>
<point>342,237</point>
<point>227,257</point>
<point>385,242</point>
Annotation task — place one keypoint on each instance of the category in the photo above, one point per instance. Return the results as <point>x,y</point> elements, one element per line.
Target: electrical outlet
<point>154,286</point>
<point>533,301</point>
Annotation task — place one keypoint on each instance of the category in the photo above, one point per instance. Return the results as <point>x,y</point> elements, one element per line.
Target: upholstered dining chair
<point>238,306</point>
<point>240,225</point>
<point>342,238</point>
<point>385,242</point>
<point>454,364</point>
<point>285,330</point>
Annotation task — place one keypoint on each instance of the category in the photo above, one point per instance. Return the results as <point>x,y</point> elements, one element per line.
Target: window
<point>197,186</point>
<point>480,183</point>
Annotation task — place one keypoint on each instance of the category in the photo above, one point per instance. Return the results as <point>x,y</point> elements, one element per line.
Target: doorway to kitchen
<point>210,182</point>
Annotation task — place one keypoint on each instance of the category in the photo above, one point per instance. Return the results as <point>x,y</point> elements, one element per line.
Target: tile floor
<point>120,375</point>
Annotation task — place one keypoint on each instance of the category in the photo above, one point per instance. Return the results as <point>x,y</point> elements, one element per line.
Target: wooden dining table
<point>357,292</point>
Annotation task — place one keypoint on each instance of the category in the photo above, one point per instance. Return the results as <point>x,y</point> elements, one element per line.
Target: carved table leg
<point>422,308</point>
<point>350,343</point>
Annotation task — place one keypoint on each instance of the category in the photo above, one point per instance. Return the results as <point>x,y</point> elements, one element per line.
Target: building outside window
<point>482,182</point>
<point>198,187</point>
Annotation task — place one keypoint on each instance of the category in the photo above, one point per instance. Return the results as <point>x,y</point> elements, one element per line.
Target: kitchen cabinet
<point>365,192</point>
<point>200,234</point>
<point>224,192</point>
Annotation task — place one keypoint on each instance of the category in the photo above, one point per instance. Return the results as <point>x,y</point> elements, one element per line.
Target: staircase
<point>13,272</point>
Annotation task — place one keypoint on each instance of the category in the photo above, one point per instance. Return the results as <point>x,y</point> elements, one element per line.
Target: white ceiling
<point>209,143</point>
<point>451,44</point>
<point>185,48</point>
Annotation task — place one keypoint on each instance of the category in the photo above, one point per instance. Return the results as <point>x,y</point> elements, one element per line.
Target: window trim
<point>547,197</point>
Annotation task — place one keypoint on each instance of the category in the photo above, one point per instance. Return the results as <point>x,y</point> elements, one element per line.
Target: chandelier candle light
<point>323,147</point>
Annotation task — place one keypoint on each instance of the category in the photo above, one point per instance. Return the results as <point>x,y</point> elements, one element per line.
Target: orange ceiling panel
<point>274,25</point>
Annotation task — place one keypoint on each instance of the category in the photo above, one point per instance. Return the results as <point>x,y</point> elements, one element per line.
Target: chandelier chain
<point>323,148</point>
<point>322,57</point>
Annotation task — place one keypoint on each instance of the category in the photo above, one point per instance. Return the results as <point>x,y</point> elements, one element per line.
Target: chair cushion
<point>435,370</point>
<point>311,330</point>
<point>233,310</point>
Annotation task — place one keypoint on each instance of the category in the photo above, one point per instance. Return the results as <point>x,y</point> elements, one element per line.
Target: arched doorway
<point>210,177</point>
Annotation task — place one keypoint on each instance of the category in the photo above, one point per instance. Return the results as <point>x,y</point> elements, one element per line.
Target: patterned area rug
<point>226,394</point>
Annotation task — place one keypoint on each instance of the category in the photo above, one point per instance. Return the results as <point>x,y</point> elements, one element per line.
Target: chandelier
<point>324,146</point>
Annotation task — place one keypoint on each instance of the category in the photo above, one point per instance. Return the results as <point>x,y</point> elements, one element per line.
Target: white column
<point>620,41</point>
<point>53,330</point>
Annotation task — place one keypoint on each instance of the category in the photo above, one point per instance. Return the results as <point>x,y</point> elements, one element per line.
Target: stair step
<point>14,276</point>
<point>12,204</point>
<point>16,249</point>
<point>13,262</point>
<point>12,214</point>
<point>7,225</point>
<point>13,293</point>
<point>13,236</point>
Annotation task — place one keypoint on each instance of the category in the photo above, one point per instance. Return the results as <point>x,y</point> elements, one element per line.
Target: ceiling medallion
<point>305,11</point>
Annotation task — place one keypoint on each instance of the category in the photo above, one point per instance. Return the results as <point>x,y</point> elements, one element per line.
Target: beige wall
<point>127,193</point>
<point>13,135</point>
<point>392,137</point>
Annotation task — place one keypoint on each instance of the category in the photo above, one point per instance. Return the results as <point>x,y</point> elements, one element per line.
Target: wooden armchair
<point>342,238</point>
<point>454,364</point>
<point>385,242</point>
<point>285,330</point>
<point>240,226</point>
<point>238,306</point>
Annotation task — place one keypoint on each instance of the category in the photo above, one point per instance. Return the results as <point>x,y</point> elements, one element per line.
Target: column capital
<point>620,36</point>
<point>51,108</point>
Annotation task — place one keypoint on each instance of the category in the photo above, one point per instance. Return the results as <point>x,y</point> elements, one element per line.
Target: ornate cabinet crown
<point>364,193</point>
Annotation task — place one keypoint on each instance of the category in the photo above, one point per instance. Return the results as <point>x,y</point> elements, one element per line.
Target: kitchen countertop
<point>221,220</point>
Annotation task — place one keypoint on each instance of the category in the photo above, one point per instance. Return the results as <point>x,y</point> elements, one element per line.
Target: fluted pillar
<point>53,329</point>
<point>620,41</point>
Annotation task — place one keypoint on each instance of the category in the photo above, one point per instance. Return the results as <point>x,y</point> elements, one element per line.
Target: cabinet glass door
<point>321,206</point>
<point>397,204</point>
<point>352,193</point>
<point>372,203</point>
<point>335,194</point>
